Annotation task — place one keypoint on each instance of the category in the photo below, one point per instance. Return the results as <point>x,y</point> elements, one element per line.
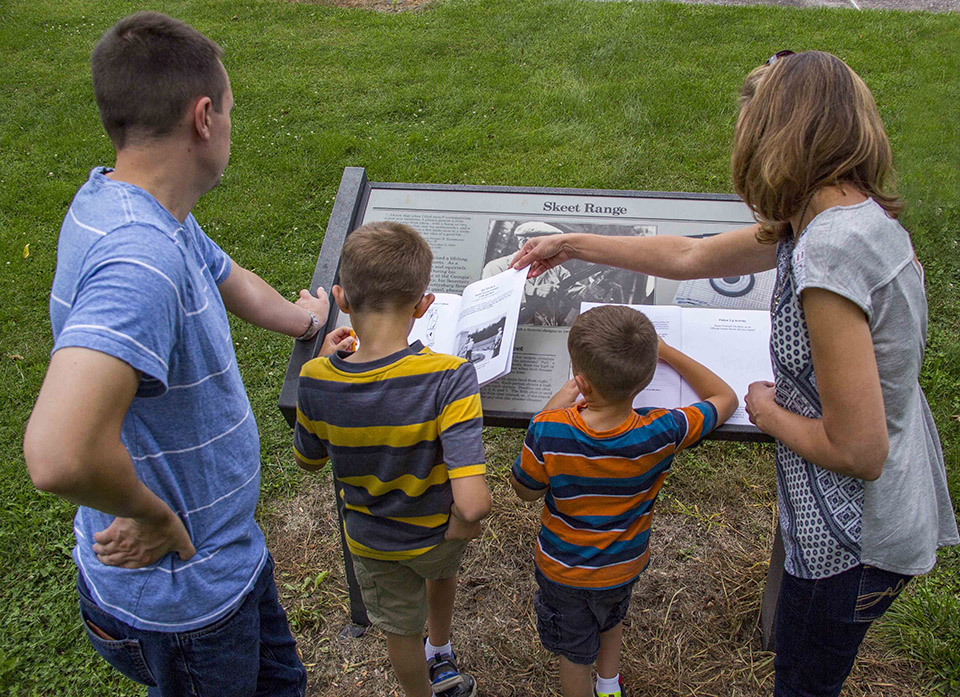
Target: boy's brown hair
<point>807,121</point>
<point>615,348</point>
<point>147,68</point>
<point>384,266</point>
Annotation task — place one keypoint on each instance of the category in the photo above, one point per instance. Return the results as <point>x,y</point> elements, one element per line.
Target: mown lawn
<point>547,93</point>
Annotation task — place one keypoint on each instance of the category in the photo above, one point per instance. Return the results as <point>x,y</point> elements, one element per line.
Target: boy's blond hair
<point>807,121</point>
<point>384,266</point>
<point>615,348</point>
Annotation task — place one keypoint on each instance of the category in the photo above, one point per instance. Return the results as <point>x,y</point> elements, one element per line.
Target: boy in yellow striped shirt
<point>402,428</point>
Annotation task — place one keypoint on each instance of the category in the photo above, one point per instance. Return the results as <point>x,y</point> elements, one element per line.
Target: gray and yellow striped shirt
<point>396,430</point>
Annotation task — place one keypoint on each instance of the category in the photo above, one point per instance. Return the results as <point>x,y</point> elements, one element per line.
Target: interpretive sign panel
<point>474,232</point>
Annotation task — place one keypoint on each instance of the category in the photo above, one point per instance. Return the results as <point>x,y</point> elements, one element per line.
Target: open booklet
<point>734,344</point>
<point>480,325</point>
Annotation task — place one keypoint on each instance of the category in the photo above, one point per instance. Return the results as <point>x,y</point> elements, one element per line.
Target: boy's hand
<point>340,339</point>
<point>459,529</point>
<point>566,396</point>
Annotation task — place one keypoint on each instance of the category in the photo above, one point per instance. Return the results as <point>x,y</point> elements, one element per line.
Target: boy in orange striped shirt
<point>599,465</point>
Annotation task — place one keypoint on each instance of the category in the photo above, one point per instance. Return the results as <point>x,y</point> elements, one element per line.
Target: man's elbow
<point>50,470</point>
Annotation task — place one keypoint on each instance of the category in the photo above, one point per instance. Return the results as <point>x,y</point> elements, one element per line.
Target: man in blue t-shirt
<point>142,419</point>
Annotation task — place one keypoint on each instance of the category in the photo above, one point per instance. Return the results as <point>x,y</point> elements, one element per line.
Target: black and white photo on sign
<point>482,343</point>
<point>554,297</point>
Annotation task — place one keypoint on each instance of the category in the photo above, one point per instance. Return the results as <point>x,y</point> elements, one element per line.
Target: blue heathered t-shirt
<point>135,283</point>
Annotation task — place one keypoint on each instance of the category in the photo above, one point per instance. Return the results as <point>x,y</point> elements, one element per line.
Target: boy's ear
<point>586,389</point>
<point>420,309</point>
<point>340,298</point>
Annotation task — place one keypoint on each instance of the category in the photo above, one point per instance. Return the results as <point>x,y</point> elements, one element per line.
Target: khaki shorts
<point>395,592</point>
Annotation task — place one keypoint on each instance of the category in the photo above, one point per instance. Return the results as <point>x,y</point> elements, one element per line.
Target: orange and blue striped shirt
<point>601,488</point>
<point>397,430</point>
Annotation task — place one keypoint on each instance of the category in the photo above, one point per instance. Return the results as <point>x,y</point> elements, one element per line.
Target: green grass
<point>550,93</point>
<point>925,624</point>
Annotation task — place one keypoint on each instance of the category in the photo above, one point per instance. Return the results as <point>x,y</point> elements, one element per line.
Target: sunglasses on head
<point>778,55</point>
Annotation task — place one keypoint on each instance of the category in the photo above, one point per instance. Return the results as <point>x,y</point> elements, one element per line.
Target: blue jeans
<point>820,624</point>
<point>249,651</point>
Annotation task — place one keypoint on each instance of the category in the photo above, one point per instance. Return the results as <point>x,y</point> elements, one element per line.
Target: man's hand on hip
<point>136,542</point>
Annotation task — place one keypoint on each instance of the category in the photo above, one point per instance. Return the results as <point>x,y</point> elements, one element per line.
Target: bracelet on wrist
<point>312,330</point>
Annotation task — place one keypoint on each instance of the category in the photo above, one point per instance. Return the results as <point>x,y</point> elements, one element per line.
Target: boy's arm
<point>309,450</point>
<point>708,385</point>
<point>471,504</point>
<point>309,465</point>
<point>566,396</point>
<point>460,425</point>
<point>526,493</point>
<point>529,475</point>
<point>471,498</point>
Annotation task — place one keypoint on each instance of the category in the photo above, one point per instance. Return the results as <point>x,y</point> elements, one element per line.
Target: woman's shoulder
<point>861,236</point>
<point>852,251</point>
<point>862,227</point>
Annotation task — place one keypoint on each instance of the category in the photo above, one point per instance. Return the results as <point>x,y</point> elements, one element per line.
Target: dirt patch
<point>378,5</point>
<point>692,624</point>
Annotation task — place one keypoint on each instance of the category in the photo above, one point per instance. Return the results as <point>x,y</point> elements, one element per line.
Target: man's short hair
<point>147,69</point>
<point>384,266</point>
<point>615,348</point>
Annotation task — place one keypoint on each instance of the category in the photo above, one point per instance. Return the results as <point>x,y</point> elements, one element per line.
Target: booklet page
<point>540,368</point>
<point>735,344</point>
<point>438,326</point>
<point>487,325</point>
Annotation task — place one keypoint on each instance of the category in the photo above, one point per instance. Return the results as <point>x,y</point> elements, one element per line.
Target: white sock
<point>430,650</point>
<point>608,684</point>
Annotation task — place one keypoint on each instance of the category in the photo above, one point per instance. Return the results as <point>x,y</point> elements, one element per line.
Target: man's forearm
<point>254,300</point>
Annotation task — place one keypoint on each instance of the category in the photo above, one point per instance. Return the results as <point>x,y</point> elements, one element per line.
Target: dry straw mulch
<point>692,624</point>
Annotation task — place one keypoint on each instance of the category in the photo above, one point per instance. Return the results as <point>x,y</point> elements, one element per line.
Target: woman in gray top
<point>861,482</point>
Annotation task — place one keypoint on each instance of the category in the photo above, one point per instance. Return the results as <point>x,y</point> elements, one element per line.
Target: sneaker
<point>466,688</point>
<point>619,693</point>
<point>444,674</point>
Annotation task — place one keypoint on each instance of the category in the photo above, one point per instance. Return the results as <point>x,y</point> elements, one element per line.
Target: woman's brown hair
<point>807,121</point>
